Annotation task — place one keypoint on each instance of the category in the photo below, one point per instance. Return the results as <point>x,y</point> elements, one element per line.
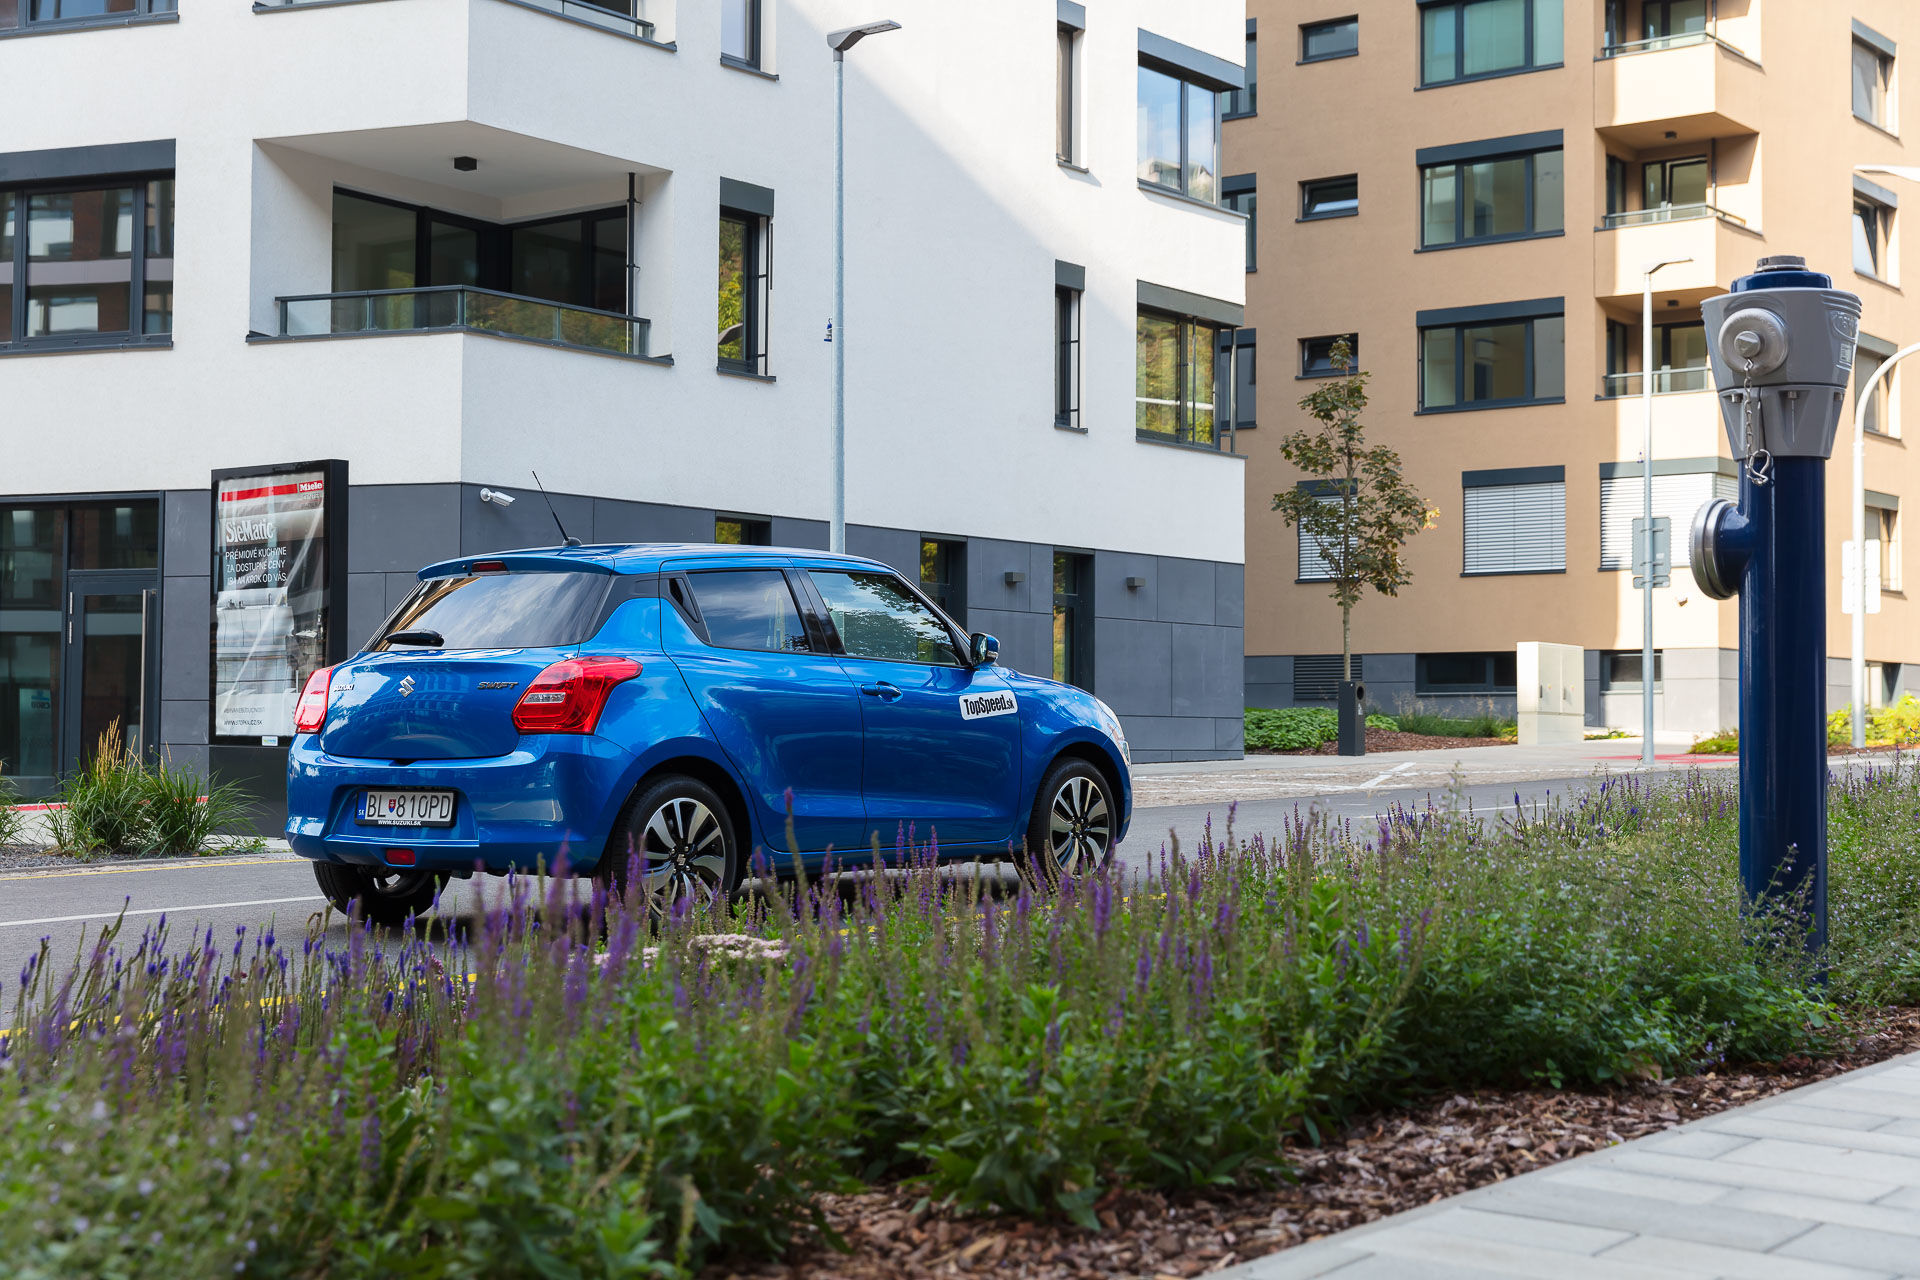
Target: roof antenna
<point>572,542</point>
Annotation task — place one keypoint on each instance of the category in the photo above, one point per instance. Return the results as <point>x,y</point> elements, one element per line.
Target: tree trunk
<point>1346,642</point>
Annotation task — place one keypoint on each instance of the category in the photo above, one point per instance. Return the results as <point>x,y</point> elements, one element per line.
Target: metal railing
<point>1685,39</point>
<point>1665,382</point>
<point>599,15</point>
<point>1668,213</point>
<point>462,307</point>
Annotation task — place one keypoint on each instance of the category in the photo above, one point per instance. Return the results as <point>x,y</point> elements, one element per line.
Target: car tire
<point>684,837</point>
<point>389,897</point>
<point>1074,821</point>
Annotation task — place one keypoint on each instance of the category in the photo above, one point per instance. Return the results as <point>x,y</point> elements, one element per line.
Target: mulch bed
<point>1394,740</point>
<point>1384,1164</point>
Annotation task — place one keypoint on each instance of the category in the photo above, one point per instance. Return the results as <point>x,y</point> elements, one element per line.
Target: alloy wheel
<point>683,853</point>
<point>395,884</point>
<point>1079,829</point>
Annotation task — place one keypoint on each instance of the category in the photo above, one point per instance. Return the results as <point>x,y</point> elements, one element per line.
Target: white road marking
<point>1376,780</point>
<point>159,911</point>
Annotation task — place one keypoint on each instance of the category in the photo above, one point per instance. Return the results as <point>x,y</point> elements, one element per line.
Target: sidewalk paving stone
<point>1820,1183</point>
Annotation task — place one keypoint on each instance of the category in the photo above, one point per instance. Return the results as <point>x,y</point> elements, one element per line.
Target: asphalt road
<point>69,907</point>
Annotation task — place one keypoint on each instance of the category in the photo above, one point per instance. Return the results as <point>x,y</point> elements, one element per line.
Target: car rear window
<point>502,610</point>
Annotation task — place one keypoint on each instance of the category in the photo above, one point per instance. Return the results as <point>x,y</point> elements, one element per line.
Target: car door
<point>782,708</point>
<point>942,736</point>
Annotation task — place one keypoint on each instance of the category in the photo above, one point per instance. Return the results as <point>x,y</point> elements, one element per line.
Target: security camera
<point>496,497</point>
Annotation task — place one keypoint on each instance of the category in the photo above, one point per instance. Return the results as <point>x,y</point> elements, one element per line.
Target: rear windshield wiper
<point>417,635</point>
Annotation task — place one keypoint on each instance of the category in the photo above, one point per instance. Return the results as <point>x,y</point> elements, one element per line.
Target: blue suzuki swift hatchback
<point>661,707</point>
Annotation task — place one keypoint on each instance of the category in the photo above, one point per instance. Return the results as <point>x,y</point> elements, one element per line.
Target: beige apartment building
<point>1471,189</point>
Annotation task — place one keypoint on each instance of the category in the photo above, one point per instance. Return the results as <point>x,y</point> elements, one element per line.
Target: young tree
<point>1357,509</point>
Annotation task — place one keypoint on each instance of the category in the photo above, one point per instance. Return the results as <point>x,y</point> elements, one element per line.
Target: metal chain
<point>1759,461</point>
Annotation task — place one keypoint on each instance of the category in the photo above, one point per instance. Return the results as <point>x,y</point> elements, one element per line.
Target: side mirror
<point>983,649</point>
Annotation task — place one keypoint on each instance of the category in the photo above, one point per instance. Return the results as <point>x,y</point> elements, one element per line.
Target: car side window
<point>750,609</point>
<point>877,617</point>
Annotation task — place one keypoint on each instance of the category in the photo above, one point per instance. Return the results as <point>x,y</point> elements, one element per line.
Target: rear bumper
<point>553,797</point>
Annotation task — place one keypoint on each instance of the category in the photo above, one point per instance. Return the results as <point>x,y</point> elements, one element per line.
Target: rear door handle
<point>883,691</point>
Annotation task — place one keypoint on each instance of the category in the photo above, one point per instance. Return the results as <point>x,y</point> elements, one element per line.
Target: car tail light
<point>311,711</point>
<point>568,696</point>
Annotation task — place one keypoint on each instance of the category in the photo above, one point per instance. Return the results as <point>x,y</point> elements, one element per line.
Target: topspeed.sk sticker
<point>979,706</point>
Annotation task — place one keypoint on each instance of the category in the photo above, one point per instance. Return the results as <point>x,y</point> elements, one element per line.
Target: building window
<point>1066,359</point>
<point>740,31</point>
<point>1886,522</point>
<point>1678,183</point>
<point>1467,39</point>
<point>1453,673</point>
<point>1872,237</point>
<point>1073,619</point>
<point>1330,197</point>
<point>1617,183</point>
<point>32,13</point>
<point>1620,670</point>
<point>1065,89</point>
<point>1879,417</point>
<point>1244,101</point>
<point>1179,135</point>
<point>1481,366</point>
<point>743,292</point>
<point>1316,356</point>
<point>1872,85</point>
<point>1499,198</point>
<point>1316,676</point>
<point>1237,195</point>
<point>743,531</point>
<point>1339,38</point>
<point>1677,497</point>
<point>1237,360</point>
<point>1513,527</point>
<point>1671,22</point>
<point>86,265</point>
<point>1175,388</point>
<point>1310,560</point>
<point>943,576</point>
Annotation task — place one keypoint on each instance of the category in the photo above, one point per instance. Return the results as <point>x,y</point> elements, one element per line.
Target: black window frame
<point>755,296</point>
<point>949,594</point>
<point>756,53</point>
<point>1315,369</point>
<point>1490,681</point>
<point>1309,29</point>
<point>1610,683</point>
<point>1239,104</point>
<point>143,11</point>
<point>1461,240</point>
<point>1187,86</point>
<point>1309,185</point>
<point>1460,76</point>
<point>1066,88</point>
<point>1069,304</point>
<point>1532,396</point>
<point>135,334</point>
<point>1182,436</point>
<point>755,531</point>
<point>1072,662</point>
<point>1879,225</point>
<point>1237,190</point>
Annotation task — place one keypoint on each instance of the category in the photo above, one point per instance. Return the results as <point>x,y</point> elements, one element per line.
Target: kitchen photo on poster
<point>270,599</point>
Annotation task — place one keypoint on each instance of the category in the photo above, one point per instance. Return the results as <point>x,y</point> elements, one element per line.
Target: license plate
<point>407,808</point>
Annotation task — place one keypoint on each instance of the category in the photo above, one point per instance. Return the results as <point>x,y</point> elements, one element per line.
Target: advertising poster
<point>269,599</point>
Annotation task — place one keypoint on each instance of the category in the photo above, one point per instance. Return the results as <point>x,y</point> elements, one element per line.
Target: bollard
<point>1353,719</point>
<point>1781,346</point>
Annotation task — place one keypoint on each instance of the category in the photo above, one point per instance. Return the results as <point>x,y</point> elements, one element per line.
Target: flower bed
<point>556,1093</point>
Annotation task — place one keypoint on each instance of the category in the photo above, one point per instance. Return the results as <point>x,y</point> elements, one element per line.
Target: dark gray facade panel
<point>1491,312</point>
<point>197,757</point>
<point>1203,662</point>
<point>1186,590</point>
<point>398,585</point>
<point>810,534</point>
<point>1672,467</point>
<point>1512,475</point>
<point>1189,63</point>
<point>1113,598</point>
<point>1166,298</point>
<point>1172,733</point>
<point>1513,144</point>
<point>367,607</point>
<point>1069,275</point>
<point>988,563</point>
<point>746,197</point>
<point>61,163</point>
<point>894,547</point>
<point>1230,735</point>
<point>1026,639</point>
<point>183,722</point>
<point>617,521</point>
<point>1132,664</point>
<point>401,527</point>
<point>186,631</point>
<point>488,526</point>
<point>186,517</point>
<point>1230,595</point>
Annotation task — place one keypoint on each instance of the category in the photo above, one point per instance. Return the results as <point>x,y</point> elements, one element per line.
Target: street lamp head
<point>1651,267</point>
<point>844,39</point>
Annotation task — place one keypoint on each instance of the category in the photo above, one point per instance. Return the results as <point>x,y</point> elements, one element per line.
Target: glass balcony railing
<point>1682,40</point>
<point>462,307</point>
<point>1668,213</point>
<point>1665,382</point>
<point>614,15</point>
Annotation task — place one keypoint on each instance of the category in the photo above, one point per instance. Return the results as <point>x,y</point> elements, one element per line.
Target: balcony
<point>463,309</point>
<point>1667,213</point>
<point>1676,89</point>
<point>1686,422</point>
<point>634,18</point>
<point>1721,247</point>
<point>1666,382</point>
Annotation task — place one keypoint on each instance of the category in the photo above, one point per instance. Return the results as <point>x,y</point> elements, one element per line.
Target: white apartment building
<point>292,293</point>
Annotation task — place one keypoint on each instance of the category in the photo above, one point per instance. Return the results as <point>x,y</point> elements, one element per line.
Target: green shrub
<point>185,808</point>
<point>1429,724</point>
<point>1290,728</point>
<point>102,806</point>
<point>1388,723</point>
<point>13,823</point>
<point>1724,743</point>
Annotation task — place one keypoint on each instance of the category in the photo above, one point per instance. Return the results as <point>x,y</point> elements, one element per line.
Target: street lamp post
<point>1646,497</point>
<point>1857,663</point>
<point>841,41</point>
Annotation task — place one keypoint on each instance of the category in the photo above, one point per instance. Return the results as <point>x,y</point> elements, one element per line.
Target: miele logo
<point>499,684</point>
<point>978,706</point>
<point>406,687</point>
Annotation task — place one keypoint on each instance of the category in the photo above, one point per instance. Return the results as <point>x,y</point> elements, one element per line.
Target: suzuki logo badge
<point>406,687</point>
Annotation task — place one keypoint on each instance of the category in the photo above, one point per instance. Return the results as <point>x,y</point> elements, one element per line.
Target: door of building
<point>107,666</point>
